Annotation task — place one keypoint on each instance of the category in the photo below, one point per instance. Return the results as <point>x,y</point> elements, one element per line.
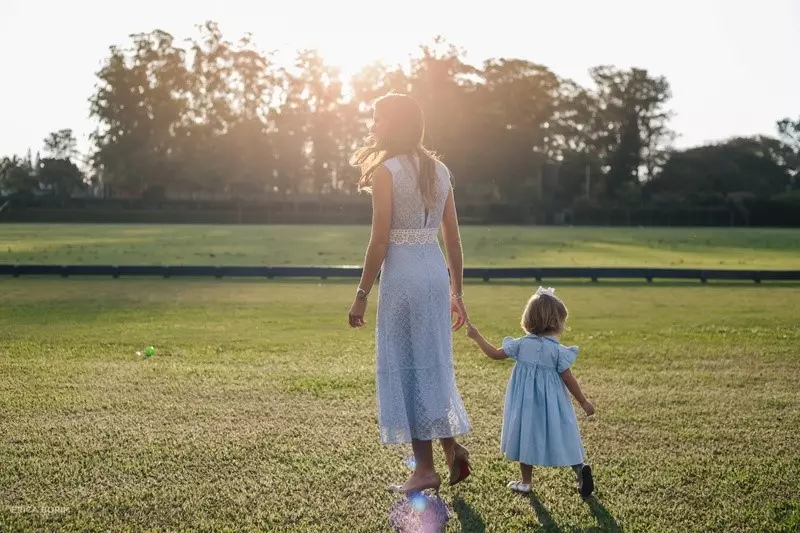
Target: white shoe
<point>519,486</point>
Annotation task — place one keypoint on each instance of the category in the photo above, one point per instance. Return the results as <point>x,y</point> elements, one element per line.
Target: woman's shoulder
<point>394,164</point>
<point>442,169</point>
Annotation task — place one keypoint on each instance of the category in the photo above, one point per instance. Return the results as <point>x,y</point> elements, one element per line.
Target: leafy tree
<point>740,165</point>
<point>630,124</point>
<point>60,144</point>
<point>60,176</point>
<point>140,103</point>
<point>789,134</point>
<point>16,177</point>
<point>221,117</point>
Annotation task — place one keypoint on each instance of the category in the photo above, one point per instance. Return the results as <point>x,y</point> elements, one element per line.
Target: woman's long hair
<point>405,125</point>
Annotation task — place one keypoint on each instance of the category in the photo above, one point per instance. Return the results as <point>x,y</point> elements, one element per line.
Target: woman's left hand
<point>356,315</point>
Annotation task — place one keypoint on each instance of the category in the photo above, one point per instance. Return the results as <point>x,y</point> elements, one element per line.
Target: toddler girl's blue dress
<point>539,423</point>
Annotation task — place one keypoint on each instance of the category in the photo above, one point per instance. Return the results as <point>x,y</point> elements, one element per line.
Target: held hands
<point>474,334</point>
<point>472,331</point>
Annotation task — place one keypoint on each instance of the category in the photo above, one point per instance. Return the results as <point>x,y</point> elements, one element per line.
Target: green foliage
<point>215,118</point>
<point>221,117</point>
<point>741,165</point>
<point>57,175</point>
<point>789,134</point>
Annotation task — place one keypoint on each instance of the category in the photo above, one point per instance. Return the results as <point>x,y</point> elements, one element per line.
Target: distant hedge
<point>753,212</point>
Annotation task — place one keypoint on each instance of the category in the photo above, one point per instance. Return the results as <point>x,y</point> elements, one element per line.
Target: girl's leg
<point>583,473</point>
<point>526,471</point>
<point>523,486</point>
<point>577,469</point>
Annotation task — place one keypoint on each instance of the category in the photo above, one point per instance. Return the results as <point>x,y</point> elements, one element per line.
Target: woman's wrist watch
<point>361,294</point>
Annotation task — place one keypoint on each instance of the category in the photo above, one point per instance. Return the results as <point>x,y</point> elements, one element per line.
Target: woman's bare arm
<point>452,244</point>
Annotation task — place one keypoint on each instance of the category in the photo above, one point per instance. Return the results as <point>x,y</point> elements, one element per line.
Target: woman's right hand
<point>588,408</point>
<point>457,307</point>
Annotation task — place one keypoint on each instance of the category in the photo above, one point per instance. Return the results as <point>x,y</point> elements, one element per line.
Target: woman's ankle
<point>425,472</point>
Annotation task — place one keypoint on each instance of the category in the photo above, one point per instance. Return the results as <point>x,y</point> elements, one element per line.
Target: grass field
<point>344,245</point>
<point>258,412</point>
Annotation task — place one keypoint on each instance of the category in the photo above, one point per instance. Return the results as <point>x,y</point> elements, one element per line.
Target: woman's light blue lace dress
<point>417,394</point>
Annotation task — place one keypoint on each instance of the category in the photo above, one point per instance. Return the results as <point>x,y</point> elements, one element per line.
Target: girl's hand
<point>457,307</point>
<point>472,331</point>
<point>356,315</point>
<point>588,408</point>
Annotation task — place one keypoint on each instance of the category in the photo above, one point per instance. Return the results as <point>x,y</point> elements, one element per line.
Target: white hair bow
<point>549,291</point>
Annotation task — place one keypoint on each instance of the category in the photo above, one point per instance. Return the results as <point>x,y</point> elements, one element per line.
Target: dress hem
<point>554,464</point>
<point>435,437</point>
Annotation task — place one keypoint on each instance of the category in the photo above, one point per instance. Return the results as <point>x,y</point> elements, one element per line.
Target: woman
<point>412,198</point>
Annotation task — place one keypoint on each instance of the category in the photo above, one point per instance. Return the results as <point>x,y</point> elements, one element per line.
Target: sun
<point>351,57</point>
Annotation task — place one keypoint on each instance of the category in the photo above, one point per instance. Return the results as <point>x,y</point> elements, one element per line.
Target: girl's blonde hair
<point>545,314</point>
<point>405,132</point>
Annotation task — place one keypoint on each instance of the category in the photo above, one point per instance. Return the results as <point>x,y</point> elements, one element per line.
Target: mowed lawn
<point>345,245</point>
<point>258,411</point>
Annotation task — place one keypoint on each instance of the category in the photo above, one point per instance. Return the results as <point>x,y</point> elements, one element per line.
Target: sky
<point>734,66</point>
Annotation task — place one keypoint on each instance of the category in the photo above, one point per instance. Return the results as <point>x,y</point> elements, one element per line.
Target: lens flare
<point>419,513</point>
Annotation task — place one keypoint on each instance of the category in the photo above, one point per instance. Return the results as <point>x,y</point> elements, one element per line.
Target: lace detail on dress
<point>414,236</point>
<point>408,209</point>
<point>415,381</point>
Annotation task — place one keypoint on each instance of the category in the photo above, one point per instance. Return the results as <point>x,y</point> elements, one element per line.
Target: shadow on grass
<point>469,519</point>
<point>543,515</point>
<point>605,521</point>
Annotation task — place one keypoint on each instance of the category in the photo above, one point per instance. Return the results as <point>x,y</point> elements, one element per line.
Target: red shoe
<point>459,470</point>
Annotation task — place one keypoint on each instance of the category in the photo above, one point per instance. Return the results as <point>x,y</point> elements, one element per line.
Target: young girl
<point>539,424</point>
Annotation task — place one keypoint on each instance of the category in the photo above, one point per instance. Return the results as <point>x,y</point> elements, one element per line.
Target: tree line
<point>220,117</point>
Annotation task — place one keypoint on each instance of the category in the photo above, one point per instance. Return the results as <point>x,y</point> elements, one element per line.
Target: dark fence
<point>325,272</point>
